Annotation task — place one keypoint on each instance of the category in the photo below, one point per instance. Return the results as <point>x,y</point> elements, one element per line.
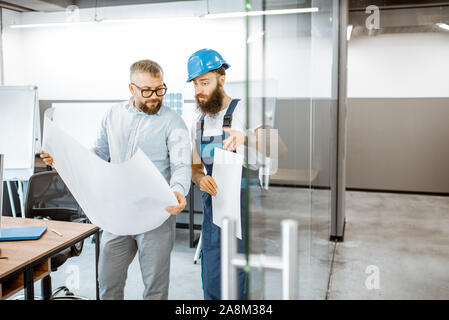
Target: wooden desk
<point>29,261</point>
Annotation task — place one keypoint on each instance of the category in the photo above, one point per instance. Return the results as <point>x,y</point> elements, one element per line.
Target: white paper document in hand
<point>227,173</point>
<point>124,199</point>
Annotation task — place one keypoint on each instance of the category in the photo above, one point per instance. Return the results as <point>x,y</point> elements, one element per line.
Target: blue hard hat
<point>203,61</point>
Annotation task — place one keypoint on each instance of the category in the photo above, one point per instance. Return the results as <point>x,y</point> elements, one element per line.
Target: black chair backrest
<point>49,197</point>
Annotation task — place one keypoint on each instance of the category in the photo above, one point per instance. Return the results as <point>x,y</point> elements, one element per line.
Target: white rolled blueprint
<point>124,199</point>
<point>227,174</point>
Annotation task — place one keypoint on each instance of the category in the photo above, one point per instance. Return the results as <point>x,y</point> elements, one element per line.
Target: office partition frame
<point>338,169</point>
<point>312,45</point>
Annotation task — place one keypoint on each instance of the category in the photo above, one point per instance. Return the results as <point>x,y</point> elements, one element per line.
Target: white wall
<point>399,65</point>
<point>12,42</point>
<point>92,61</point>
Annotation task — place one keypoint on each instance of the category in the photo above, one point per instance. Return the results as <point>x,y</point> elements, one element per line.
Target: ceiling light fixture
<point>259,13</point>
<point>207,16</point>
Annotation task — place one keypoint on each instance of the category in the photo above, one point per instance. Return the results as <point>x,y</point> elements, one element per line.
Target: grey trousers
<point>153,247</point>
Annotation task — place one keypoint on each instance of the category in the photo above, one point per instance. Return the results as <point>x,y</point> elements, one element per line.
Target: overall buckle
<point>227,121</point>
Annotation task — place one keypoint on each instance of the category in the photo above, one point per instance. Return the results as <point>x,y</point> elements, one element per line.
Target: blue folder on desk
<point>18,234</point>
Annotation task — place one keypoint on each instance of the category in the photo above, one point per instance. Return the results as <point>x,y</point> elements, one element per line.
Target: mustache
<point>153,101</point>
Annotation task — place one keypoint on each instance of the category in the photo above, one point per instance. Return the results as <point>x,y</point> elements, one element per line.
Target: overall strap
<point>201,126</point>
<point>227,120</point>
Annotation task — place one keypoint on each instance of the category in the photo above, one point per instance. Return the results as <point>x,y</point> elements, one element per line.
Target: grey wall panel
<point>307,150</point>
<point>398,144</point>
<point>393,144</point>
<point>322,140</point>
<point>292,120</point>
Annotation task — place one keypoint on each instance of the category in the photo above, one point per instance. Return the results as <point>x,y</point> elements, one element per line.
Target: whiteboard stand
<point>20,193</point>
<point>11,199</point>
<point>21,176</point>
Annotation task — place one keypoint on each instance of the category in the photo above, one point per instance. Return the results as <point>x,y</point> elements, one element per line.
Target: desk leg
<point>29,284</point>
<point>97,256</point>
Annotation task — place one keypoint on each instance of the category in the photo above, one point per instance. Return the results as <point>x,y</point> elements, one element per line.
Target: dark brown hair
<point>221,71</point>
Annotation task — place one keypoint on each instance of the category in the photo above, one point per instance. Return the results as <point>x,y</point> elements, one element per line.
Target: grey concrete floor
<point>402,239</point>
<point>185,276</point>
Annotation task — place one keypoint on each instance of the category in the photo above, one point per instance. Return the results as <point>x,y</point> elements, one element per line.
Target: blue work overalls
<point>211,234</point>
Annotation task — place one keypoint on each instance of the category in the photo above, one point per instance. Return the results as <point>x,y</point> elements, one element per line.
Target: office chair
<point>49,198</point>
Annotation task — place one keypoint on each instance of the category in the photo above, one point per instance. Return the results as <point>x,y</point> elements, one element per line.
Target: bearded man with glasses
<point>143,122</point>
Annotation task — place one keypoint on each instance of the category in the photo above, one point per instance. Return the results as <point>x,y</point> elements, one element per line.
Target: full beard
<point>212,105</point>
<point>146,109</point>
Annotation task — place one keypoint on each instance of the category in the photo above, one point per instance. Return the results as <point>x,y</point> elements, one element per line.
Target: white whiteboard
<point>18,132</point>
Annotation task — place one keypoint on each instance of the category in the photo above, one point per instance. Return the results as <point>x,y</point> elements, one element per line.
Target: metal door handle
<point>287,263</point>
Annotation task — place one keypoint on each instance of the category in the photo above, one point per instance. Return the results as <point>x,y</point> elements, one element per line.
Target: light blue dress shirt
<point>163,137</point>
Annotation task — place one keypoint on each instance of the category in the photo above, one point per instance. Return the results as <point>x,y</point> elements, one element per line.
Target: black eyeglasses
<point>147,93</point>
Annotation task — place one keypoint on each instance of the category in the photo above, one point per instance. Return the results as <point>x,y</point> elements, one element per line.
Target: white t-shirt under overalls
<point>213,126</point>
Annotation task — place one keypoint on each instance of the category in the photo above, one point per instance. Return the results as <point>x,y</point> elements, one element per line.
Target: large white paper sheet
<point>227,174</point>
<point>124,199</point>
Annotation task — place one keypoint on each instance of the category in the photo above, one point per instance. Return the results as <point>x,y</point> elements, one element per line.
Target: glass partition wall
<point>290,91</point>
<point>284,67</point>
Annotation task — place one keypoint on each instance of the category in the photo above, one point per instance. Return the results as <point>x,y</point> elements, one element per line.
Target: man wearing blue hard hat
<point>221,123</point>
